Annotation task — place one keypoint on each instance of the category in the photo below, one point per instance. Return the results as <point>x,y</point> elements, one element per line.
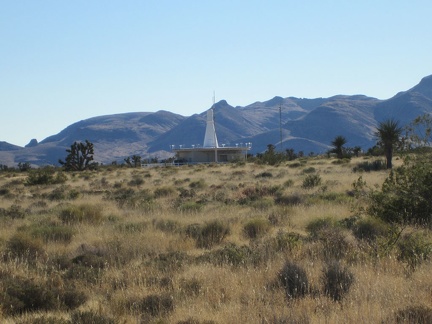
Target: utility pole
<point>280,126</point>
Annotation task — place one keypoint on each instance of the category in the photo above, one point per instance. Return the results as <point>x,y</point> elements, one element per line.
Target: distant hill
<point>307,125</point>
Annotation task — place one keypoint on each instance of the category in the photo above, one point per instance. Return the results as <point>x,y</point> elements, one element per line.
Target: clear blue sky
<point>62,61</point>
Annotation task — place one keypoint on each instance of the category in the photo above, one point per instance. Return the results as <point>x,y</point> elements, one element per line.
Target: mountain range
<point>307,125</point>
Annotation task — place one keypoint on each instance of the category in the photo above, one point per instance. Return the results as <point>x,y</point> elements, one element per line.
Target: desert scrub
<point>49,232</point>
<point>45,176</point>
<point>152,305</point>
<point>129,198</point>
<point>84,213</point>
<point>368,166</point>
<point>294,280</point>
<point>337,280</point>
<point>24,247</point>
<point>369,229</point>
<point>212,233</point>
<point>164,192</point>
<point>414,248</point>
<point>22,295</point>
<point>311,181</point>
<point>198,184</point>
<point>264,174</point>
<point>256,228</point>
<point>14,212</point>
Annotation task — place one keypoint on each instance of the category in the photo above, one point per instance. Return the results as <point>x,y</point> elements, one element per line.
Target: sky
<point>63,61</point>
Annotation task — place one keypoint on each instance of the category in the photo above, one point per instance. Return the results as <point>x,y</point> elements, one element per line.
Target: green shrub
<point>405,195</point>
<point>14,212</point>
<point>212,233</point>
<point>315,227</point>
<point>262,203</point>
<point>84,213</point>
<point>132,227</point>
<point>294,280</point>
<point>199,184</point>
<point>190,287</point>
<point>164,192</point>
<point>50,232</point>
<point>85,317</point>
<point>368,166</point>
<point>414,248</point>
<point>153,305</point>
<point>23,246</point>
<point>231,254</point>
<point>27,295</point>
<point>288,183</point>
<point>264,174</point>
<point>166,225</point>
<point>337,280</point>
<point>414,314</point>
<point>309,170</point>
<point>290,200</point>
<point>255,228</point>
<point>190,206</point>
<point>287,241</point>
<point>45,176</point>
<point>136,181</point>
<point>131,198</point>
<point>311,181</point>
<point>369,229</point>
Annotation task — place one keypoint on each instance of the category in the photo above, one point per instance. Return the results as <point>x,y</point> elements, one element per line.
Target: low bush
<point>131,199</point>
<point>84,213</point>
<point>164,192</point>
<point>264,174</point>
<point>337,280</point>
<point>369,229</point>
<point>368,166</point>
<point>212,233</point>
<point>166,225</point>
<point>290,200</point>
<point>86,317</point>
<point>199,184</point>
<point>45,176</point>
<point>231,254</point>
<point>190,206</point>
<point>256,228</point>
<point>50,232</point>
<point>294,279</point>
<point>311,181</point>
<point>153,305</point>
<point>21,295</point>
<point>414,248</point>
<point>23,246</point>
<point>414,314</point>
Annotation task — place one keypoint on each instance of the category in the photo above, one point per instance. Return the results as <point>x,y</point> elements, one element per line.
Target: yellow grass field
<point>198,244</point>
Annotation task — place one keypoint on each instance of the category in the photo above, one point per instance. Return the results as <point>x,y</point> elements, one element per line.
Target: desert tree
<point>419,131</point>
<point>338,144</point>
<point>388,133</point>
<point>80,157</point>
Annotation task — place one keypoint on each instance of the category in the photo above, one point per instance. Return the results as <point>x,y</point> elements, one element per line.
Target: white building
<point>210,151</point>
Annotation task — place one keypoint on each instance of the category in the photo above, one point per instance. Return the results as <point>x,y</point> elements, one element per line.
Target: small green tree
<point>405,196</point>
<point>338,144</point>
<point>419,131</point>
<point>388,134</point>
<point>80,157</point>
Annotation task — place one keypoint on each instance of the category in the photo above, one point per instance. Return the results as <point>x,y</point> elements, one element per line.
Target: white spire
<point>210,139</point>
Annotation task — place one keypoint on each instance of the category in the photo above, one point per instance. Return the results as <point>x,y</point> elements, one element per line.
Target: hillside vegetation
<point>305,241</point>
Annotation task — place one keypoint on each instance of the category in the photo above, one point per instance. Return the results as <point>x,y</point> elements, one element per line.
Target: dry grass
<point>145,244</point>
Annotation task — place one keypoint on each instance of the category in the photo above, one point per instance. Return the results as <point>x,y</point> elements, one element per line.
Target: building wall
<point>207,156</point>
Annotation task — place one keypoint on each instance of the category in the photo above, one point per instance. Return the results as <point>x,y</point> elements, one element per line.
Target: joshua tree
<point>80,157</point>
<point>338,144</point>
<point>388,133</point>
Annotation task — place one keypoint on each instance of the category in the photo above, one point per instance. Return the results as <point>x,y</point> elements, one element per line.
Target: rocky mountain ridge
<point>308,125</point>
